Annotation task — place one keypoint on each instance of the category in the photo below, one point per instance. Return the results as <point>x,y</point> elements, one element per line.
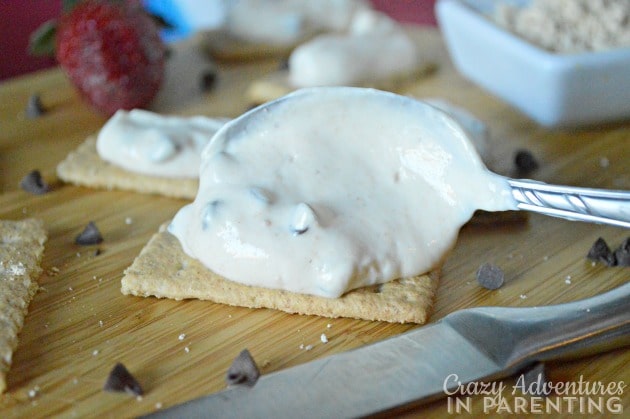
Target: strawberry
<point>112,52</point>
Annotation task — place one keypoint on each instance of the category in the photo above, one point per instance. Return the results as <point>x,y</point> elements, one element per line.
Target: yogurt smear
<point>374,48</point>
<point>152,144</point>
<point>331,189</point>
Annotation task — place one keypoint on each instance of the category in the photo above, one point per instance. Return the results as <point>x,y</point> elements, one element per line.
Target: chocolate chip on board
<point>622,253</point>
<point>243,370</point>
<point>34,183</point>
<point>490,276</point>
<point>600,252</point>
<point>34,107</point>
<point>525,162</point>
<point>283,65</point>
<point>90,235</point>
<point>208,80</point>
<point>121,380</point>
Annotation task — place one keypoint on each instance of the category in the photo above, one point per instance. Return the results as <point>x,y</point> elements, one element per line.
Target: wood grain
<point>80,325</point>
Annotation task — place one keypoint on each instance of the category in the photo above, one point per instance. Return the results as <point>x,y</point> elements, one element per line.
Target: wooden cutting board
<point>80,325</point>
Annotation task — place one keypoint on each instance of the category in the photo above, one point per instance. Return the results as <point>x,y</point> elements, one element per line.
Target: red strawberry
<point>112,52</point>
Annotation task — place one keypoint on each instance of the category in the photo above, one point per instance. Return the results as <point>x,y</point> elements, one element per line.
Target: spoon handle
<point>573,203</point>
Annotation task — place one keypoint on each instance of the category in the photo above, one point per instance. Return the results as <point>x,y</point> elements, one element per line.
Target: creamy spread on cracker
<point>331,189</point>
<point>157,145</point>
<point>285,22</point>
<point>477,130</point>
<point>374,48</point>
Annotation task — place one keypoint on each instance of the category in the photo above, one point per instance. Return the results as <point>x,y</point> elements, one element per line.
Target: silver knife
<point>469,345</point>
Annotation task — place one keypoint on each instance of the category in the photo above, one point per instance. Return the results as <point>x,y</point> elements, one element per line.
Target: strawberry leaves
<point>42,41</point>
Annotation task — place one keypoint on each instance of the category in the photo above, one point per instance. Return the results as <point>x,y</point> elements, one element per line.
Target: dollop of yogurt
<point>374,48</point>
<point>331,189</point>
<point>477,130</point>
<point>152,144</point>
<point>285,22</point>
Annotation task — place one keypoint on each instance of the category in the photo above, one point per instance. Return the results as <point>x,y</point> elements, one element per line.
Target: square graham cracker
<point>225,47</point>
<point>163,270</point>
<point>21,250</point>
<point>84,167</point>
<point>275,85</point>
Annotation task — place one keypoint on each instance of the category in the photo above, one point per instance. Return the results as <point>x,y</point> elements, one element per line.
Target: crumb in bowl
<point>569,26</point>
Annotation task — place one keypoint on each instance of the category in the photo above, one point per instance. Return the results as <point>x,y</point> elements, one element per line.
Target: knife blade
<point>420,365</point>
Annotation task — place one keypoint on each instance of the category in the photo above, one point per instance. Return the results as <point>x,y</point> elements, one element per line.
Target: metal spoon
<point>572,203</point>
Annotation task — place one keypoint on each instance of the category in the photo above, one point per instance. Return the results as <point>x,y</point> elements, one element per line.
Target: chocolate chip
<point>34,107</point>
<point>243,370</point>
<point>534,381</point>
<point>284,65</point>
<point>34,183</point>
<point>168,53</point>
<point>121,380</point>
<point>208,80</point>
<point>303,217</point>
<point>490,276</point>
<point>525,162</point>
<point>89,235</point>
<point>622,253</point>
<point>600,252</point>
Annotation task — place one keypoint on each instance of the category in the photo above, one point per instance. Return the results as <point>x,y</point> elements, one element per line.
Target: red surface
<point>19,18</point>
<point>410,11</point>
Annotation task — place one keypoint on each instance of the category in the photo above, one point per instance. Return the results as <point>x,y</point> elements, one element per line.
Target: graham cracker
<point>21,250</point>
<point>275,85</point>
<point>222,46</point>
<point>163,270</point>
<point>85,167</point>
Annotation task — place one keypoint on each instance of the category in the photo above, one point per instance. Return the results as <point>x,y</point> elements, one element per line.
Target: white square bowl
<point>556,90</point>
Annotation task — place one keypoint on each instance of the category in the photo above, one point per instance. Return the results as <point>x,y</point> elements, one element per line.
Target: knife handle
<point>517,337</point>
<point>573,203</point>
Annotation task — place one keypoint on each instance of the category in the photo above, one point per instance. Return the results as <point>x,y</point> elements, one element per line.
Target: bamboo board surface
<point>79,325</point>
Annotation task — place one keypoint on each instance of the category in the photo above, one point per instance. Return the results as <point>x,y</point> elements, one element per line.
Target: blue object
<point>171,13</point>
<point>187,16</point>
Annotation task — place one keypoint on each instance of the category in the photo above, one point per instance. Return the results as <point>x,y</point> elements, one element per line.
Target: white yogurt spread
<point>152,144</point>
<point>478,132</point>
<point>331,189</point>
<point>285,22</point>
<point>374,48</point>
